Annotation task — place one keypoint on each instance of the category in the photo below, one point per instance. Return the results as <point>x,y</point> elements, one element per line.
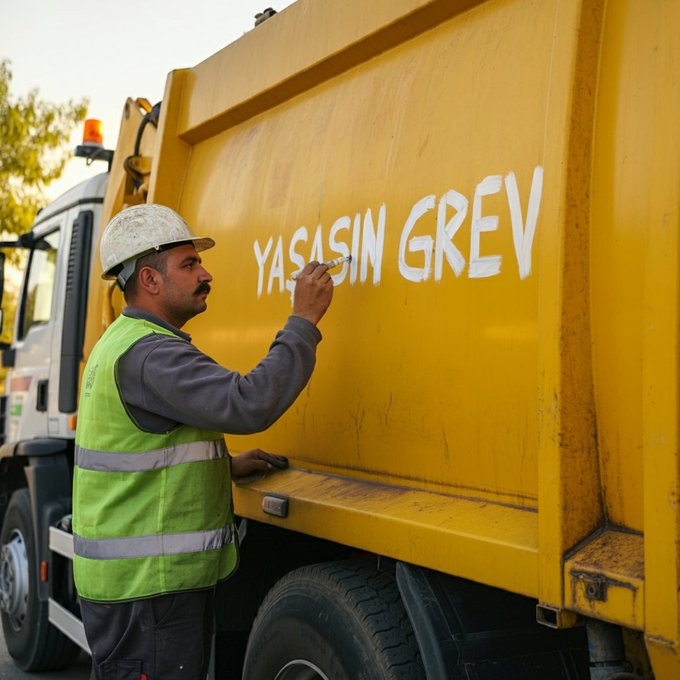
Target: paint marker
<point>330,264</point>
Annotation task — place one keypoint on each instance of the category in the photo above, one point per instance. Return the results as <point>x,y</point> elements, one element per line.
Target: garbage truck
<point>484,474</point>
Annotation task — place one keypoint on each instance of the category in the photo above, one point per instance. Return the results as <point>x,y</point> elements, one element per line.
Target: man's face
<point>185,285</point>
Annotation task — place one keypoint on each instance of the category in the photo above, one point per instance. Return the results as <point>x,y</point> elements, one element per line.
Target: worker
<point>153,521</point>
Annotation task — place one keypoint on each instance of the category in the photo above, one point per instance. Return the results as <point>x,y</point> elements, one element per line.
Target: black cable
<point>150,117</point>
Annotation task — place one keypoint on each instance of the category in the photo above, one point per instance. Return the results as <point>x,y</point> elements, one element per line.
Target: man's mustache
<point>202,288</point>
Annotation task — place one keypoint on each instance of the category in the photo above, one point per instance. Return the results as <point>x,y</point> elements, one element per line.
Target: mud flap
<point>467,631</point>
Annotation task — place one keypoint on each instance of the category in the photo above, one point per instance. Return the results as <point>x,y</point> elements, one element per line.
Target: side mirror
<point>2,282</point>
<point>2,289</point>
<point>24,241</point>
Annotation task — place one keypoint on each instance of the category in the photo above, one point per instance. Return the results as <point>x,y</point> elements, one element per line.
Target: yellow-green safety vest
<point>152,512</point>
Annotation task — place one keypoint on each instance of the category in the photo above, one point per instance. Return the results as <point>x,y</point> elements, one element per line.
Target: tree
<point>33,150</point>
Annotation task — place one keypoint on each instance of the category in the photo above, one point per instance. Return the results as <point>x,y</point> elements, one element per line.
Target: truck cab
<point>36,456</point>
<point>47,340</point>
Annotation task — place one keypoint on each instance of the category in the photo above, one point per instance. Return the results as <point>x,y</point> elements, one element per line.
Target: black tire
<point>33,643</point>
<point>338,621</point>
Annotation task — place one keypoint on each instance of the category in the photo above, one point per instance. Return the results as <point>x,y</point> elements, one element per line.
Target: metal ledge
<point>61,542</point>
<point>444,532</point>
<point>68,624</point>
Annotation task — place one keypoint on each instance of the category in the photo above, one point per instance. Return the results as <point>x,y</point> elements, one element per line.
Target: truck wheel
<point>333,621</point>
<point>33,643</point>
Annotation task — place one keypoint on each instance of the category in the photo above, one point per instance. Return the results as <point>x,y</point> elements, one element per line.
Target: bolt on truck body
<point>489,444</point>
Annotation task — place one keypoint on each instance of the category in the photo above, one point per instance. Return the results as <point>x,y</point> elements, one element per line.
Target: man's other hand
<point>256,461</point>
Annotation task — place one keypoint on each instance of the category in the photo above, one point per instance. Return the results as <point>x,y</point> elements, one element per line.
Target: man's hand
<point>313,292</point>
<point>256,461</point>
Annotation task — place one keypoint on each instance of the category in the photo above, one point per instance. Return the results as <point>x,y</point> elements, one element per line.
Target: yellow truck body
<point>496,394</point>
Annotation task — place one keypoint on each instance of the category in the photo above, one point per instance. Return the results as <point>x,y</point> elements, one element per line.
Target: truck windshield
<point>40,282</point>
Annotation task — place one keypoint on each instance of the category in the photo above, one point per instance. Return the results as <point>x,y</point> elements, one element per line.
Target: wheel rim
<point>14,580</point>
<point>300,669</point>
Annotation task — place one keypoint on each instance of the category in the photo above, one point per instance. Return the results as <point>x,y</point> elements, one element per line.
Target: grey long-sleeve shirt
<point>165,380</point>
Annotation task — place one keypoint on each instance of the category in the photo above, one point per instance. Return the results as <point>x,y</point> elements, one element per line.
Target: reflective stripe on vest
<point>151,546</point>
<point>108,461</point>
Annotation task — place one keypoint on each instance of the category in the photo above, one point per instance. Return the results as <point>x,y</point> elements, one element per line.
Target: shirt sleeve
<point>164,380</point>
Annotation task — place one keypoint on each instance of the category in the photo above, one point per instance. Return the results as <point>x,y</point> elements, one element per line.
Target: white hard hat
<point>138,231</point>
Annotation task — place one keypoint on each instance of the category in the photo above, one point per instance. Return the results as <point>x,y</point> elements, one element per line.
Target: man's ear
<point>149,279</point>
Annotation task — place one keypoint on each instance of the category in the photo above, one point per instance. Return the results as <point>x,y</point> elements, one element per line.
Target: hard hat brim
<point>201,243</point>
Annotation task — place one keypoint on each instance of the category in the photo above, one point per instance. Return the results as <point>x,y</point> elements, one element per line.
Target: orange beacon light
<point>93,133</point>
<point>92,146</point>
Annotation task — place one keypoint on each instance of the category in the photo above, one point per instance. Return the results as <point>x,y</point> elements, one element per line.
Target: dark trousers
<point>161,638</point>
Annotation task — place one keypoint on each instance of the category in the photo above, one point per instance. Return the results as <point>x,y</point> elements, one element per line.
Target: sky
<point>108,50</point>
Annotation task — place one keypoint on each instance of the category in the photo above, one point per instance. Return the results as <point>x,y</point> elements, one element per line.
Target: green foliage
<point>33,150</point>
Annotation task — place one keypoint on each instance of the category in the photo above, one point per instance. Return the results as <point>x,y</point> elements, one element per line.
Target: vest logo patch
<point>89,381</point>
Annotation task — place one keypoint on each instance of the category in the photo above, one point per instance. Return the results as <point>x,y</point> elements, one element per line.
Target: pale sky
<point>108,51</point>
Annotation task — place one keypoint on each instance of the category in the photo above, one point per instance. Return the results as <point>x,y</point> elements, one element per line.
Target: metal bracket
<point>594,585</point>
<point>554,617</point>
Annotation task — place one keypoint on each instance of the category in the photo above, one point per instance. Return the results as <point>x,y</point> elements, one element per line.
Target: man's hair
<point>156,260</point>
